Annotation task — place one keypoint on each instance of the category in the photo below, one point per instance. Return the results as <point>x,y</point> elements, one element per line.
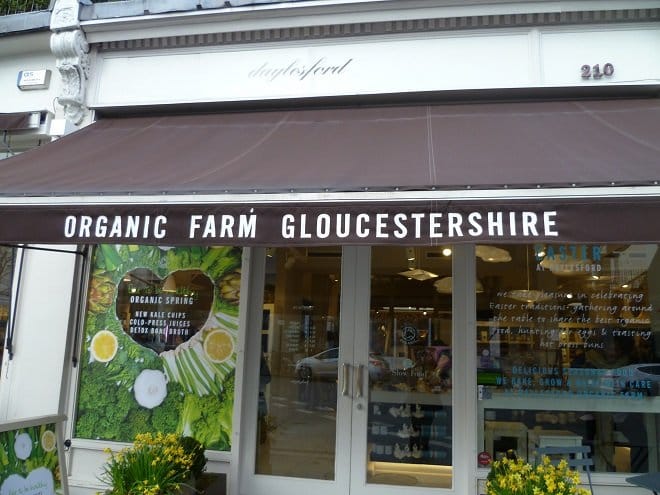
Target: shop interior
<point>568,353</point>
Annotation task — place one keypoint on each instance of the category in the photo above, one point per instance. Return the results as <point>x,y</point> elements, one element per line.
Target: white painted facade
<point>40,335</point>
<point>399,64</point>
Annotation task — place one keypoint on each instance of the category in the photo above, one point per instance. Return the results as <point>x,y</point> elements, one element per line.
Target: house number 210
<point>595,72</point>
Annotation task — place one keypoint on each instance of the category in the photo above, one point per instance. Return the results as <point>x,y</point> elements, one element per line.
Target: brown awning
<point>15,121</point>
<point>387,149</point>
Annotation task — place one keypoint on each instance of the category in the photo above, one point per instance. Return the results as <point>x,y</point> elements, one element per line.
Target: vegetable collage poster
<point>158,352</point>
<point>29,461</point>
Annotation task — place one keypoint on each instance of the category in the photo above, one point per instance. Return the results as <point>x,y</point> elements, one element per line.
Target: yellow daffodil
<point>517,477</point>
<point>156,464</point>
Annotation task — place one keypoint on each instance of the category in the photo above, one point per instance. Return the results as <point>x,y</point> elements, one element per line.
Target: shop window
<point>568,352</point>
<point>6,269</point>
<point>158,347</point>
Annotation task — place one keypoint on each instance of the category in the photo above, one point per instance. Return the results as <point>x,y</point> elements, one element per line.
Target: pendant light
<point>528,295</point>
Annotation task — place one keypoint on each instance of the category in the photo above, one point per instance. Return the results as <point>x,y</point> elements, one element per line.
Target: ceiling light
<point>446,252</point>
<point>528,294</point>
<point>444,285</point>
<point>564,264</point>
<point>418,274</point>
<point>492,254</point>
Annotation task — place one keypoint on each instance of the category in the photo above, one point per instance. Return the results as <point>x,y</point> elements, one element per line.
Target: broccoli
<point>165,418</point>
<point>85,426</point>
<point>136,422</point>
<point>102,405</point>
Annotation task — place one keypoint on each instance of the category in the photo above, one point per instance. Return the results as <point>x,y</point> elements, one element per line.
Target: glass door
<point>355,394</point>
<point>405,429</point>
<point>300,441</point>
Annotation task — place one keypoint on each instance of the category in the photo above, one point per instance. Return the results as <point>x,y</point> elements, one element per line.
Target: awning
<point>429,150</point>
<point>15,121</point>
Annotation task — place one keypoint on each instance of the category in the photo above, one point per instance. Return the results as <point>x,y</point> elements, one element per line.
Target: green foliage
<point>165,417</point>
<point>8,7</point>
<point>154,465</point>
<point>208,418</point>
<point>137,421</point>
<point>101,407</point>
<point>108,410</point>
<point>195,450</point>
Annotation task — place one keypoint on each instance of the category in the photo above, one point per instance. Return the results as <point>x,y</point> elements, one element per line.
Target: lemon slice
<point>48,440</point>
<point>218,346</point>
<point>104,346</point>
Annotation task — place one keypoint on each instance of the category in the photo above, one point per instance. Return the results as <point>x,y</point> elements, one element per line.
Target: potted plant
<point>511,476</point>
<point>160,464</point>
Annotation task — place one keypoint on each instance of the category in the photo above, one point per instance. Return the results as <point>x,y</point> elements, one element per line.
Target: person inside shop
<point>442,371</point>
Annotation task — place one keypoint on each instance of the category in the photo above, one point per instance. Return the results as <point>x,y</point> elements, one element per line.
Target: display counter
<point>552,421</point>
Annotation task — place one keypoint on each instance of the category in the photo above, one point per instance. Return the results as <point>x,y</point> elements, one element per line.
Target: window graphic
<point>158,352</point>
<point>568,352</point>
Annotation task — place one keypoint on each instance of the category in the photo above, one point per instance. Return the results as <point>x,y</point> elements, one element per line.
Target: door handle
<point>358,382</point>
<point>344,378</point>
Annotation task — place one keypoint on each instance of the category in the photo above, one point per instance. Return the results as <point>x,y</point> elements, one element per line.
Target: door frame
<point>352,417</point>
<point>464,378</point>
<point>245,409</point>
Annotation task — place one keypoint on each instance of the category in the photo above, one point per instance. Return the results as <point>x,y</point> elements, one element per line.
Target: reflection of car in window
<point>319,366</point>
<point>399,363</point>
<point>323,366</point>
<point>378,366</point>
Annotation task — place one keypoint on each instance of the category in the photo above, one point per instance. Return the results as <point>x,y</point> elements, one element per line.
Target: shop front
<point>351,247</point>
<point>325,325</point>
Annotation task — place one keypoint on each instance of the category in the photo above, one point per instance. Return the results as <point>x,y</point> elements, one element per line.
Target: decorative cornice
<point>387,28</point>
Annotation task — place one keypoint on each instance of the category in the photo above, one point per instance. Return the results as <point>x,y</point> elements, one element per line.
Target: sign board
<point>33,79</point>
<point>360,66</point>
<point>31,457</point>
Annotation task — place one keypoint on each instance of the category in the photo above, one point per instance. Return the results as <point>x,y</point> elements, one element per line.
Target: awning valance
<point>370,223</point>
<point>424,149</point>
